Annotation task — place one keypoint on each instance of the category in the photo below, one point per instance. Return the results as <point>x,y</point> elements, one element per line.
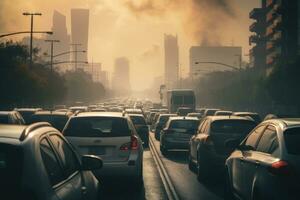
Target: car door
<point>70,163</point>
<point>59,184</point>
<point>258,161</point>
<point>243,167</point>
<point>196,138</point>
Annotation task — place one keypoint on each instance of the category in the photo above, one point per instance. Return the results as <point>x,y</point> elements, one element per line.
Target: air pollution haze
<point>135,28</point>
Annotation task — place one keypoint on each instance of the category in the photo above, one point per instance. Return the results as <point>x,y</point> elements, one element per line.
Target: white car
<point>111,136</point>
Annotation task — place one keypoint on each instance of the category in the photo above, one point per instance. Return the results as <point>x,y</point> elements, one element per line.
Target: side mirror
<point>232,144</point>
<point>90,162</point>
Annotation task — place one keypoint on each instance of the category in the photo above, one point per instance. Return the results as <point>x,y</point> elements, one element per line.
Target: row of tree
<point>37,85</point>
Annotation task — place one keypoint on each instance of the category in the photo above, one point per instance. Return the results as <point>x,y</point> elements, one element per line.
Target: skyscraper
<point>120,81</point>
<point>80,31</point>
<point>171,61</point>
<point>59,28</point>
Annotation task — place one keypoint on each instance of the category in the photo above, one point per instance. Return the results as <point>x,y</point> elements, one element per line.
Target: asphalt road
<point>185,181</point>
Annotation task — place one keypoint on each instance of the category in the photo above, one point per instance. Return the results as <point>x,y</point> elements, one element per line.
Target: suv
<point>111,136</point>
<point>141,127</point>
<point>57,119</point>
<point>160,124</point>
<point>207,146</point>
<point>36,162</point>
<point>266,165</point>
<point>11,117</point>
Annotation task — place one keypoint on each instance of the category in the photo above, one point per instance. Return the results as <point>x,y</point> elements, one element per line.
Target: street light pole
<point>31,31</point>
<point>75,50</point>
<point>51,62</point>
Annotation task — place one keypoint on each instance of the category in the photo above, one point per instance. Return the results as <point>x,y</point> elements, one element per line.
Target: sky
<point>135,28</point>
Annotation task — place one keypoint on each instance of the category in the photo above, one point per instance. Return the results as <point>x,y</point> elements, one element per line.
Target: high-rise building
<point>171,61</point>
<point>282,31</point>
<point>228,55</point>
<point>120,80</point>
<point>80,32</point>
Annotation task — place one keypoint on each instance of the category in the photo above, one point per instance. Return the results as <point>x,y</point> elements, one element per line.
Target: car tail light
<point>280,168</point>
<point>132,145</point>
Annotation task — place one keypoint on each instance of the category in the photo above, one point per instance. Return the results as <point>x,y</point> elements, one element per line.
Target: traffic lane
<point>185,181</point>
<point>151,189</point>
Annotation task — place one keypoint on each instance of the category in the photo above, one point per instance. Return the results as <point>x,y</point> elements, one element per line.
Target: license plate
<point>96,151</point>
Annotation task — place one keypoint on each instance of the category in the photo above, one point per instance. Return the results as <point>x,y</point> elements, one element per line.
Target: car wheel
<point>163,150</point>
<point>202,169</point>
<point>157,136</point>
<point>228,194</point>
<point>146,144</point>
<point>191,164</point>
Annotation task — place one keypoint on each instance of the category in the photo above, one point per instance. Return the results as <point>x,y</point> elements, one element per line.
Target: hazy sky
<point>135,28</point>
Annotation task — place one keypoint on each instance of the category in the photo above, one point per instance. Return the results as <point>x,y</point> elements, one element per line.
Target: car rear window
<point>138,120</point>
<point>4,119</point>
<point>57,121</point>
<point>292,140</point>
<point>11,159</point>
<point>97,127</point>
<point>184,124</point>
<point>232,126</point>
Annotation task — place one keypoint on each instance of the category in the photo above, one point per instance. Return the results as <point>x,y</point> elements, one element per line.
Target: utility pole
<point>31,31</point>
<point>51,54</point>
<point>75,45</point>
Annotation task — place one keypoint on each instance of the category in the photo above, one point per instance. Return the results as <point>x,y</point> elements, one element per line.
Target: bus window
<point>188,100</point>
<point>177,100</point>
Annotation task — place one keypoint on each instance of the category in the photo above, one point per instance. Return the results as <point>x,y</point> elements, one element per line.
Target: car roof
<point>183,118</point>
<point>285,122</point>
<point>11,131</point>
<point>136,115</point>
<point>245,113</point>
<point>100,114</point>
<point>6,112</point>
<point>215,118</point>
<point>28,109</point>
<point>52,113</point>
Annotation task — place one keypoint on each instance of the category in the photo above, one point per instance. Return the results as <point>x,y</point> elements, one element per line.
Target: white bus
<point>180,98</point>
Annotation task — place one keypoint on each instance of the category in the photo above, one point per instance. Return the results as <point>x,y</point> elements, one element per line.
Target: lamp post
<point>51,62</point>
<point>31,30</point>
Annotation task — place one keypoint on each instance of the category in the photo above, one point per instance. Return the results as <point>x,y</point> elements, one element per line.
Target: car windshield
<point>11,159</point>
<point>184,124</point>
<point>57,121</point>
<point>292,140</point>
<point>232,126</point>
<point>138,120</point>
<point>4,119</point>
<point>97,127</point>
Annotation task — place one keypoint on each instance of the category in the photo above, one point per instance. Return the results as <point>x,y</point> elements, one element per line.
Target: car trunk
<point>108,148</point>
<point>181,134</point>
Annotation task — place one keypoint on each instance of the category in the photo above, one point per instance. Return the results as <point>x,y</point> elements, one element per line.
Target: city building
<point>121,78</point>
<point>80,33</point>
<point>171,61</point>
<point>282,32</point>
<point>204,59</point>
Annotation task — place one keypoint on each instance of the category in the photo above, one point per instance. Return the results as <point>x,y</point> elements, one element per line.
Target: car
<point>26,113</point>
<point>210,111</point>
<point>253,115</point>
<point>183,111</point>
<point>266,165</point>
<point>198,115</point>
<point>223,113</point>
<point>177,133</point>
<point>207,146</point>
<point>37,162</point>
<point>111,136</point>
<point>98,110</point>
<point>141,127</point>
<point>57,119</point>
<point>11,117</point>
<point>160,124</point>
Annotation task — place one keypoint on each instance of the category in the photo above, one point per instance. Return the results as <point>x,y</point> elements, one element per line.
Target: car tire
<point>202,169</point>
<point>163,150</point>
<point>157,137</point>
<point>191,164</point>
<point>146,143</point>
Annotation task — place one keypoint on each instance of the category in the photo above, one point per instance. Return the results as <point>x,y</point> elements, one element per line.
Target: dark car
<point>11,117</point>
<point>266,165</point>
<point>27,113</point>
<point>37,163</point>
<point>177,133</point>
<point>160,124</point>
<point>57,119</point>
<point>207,147</point>
<point>141,127</point>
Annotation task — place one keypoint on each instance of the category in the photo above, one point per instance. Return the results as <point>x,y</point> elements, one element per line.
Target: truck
<point>177,98</point>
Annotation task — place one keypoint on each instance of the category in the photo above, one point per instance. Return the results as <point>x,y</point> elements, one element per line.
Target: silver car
<point>266,165</point>
<point>111,136</point>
